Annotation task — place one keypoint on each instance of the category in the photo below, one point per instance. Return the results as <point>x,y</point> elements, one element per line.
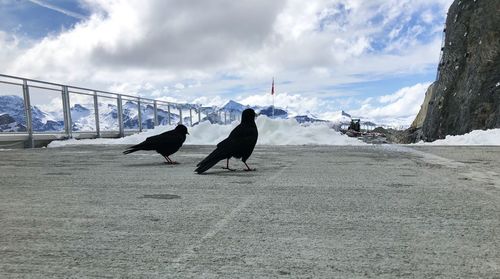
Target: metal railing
<point>67,92</point>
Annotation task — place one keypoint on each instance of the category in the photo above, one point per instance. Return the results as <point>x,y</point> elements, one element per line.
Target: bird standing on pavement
<point>239,144</point>
<point>166,143</point>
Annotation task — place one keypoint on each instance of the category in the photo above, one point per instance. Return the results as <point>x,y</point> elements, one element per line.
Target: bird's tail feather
<point>210,160</point>
<point>130,150</point>
<point>134,148</point>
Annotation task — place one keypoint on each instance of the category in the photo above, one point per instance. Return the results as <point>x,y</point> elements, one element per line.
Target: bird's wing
<point>241,137</point>
<point>235,134</point>
<point>153,142</point>
<point>168,137</point>
<point>224,150</point>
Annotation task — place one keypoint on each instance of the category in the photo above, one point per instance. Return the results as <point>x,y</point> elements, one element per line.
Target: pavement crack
<point>191,251</point>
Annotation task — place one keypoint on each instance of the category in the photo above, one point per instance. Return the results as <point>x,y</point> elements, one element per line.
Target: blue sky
<point>35,21</point>
<point>325,55</point>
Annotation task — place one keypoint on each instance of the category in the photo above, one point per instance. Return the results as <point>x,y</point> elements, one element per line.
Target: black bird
<point>239,144</point>
<point>166,143</point>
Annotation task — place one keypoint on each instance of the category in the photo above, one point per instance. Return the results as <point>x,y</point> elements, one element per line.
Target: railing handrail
<point>66,90</point>
<point>81,88</point>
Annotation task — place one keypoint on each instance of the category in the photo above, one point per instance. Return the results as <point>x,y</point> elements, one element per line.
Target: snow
<point>234,106</point>
<point>477,137</point>
<point>271,132</point>
<point>289,132</point>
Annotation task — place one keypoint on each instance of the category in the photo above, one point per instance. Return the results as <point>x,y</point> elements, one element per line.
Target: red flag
<point>272,88</point>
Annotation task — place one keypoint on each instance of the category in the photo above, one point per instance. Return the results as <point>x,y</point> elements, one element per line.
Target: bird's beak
<point>187,133</point>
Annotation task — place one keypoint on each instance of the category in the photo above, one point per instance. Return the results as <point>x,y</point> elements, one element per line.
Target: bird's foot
<point>249,169</point>
<point>172,163</point>
<point>229,169</point>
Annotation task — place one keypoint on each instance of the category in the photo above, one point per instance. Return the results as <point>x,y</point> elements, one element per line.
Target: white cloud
<point>331,115</point>
<point>216,101</point>
<point>162,48</point>
<point>294,103</point>
<point>9,44</point>
<point>179,86</point>
<point>210,101</point>
<point>158,40</point>
<point>404,105</point>
<point>427,16</point>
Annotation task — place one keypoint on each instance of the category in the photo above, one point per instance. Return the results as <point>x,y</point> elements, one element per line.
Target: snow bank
<point>271,132</point>
<point>289,132</point>
<point>477,137</point>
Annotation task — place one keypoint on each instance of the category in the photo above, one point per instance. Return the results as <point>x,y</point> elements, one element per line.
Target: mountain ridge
<point>13,117</point>
<point>466,93</point>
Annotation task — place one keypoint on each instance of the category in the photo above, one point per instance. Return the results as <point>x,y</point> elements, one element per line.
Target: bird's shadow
<point>223,172</point>
<point>149,164</point>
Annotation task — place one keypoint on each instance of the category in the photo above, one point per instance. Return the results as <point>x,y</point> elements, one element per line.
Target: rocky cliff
<point>466,94</point>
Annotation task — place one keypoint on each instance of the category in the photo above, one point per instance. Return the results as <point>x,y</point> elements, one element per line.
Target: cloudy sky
<point>371,58</point>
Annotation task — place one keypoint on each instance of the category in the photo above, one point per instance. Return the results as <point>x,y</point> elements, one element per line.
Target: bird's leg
<point>172,162</point>
<point>227,166</point>
<point>168,162</point>
<point>248,168</point>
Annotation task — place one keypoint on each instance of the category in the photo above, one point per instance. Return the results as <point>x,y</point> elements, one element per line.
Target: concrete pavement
<point>308,211</point>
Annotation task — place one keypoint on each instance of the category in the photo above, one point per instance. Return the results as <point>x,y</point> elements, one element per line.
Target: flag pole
<point>273,105</point>
<point>272,93</point>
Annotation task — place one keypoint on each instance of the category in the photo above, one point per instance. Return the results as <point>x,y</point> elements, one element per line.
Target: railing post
<point>66,111</point>
<point>155,113</point>
<point>70,121</point>
<point>96,113</point>
<point>199,115</point>
<point>27,111</point>
<point>139,114</point>
<point>169,118</point>
<point>191,116</point>
<point>180,115</point>
<point>120,116</point>
<point>225,117</point>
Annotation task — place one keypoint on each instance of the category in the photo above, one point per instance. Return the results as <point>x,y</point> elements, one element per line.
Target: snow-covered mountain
<point>307,119</point>
<point>268,111</point>
<point>12,116</point>
<point>13,119</point>
<point>83,116</point>
<point>235,109</point>
<point>234,106</point>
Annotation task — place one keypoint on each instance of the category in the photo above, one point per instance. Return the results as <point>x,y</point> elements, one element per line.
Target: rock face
<point>466,94</point>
